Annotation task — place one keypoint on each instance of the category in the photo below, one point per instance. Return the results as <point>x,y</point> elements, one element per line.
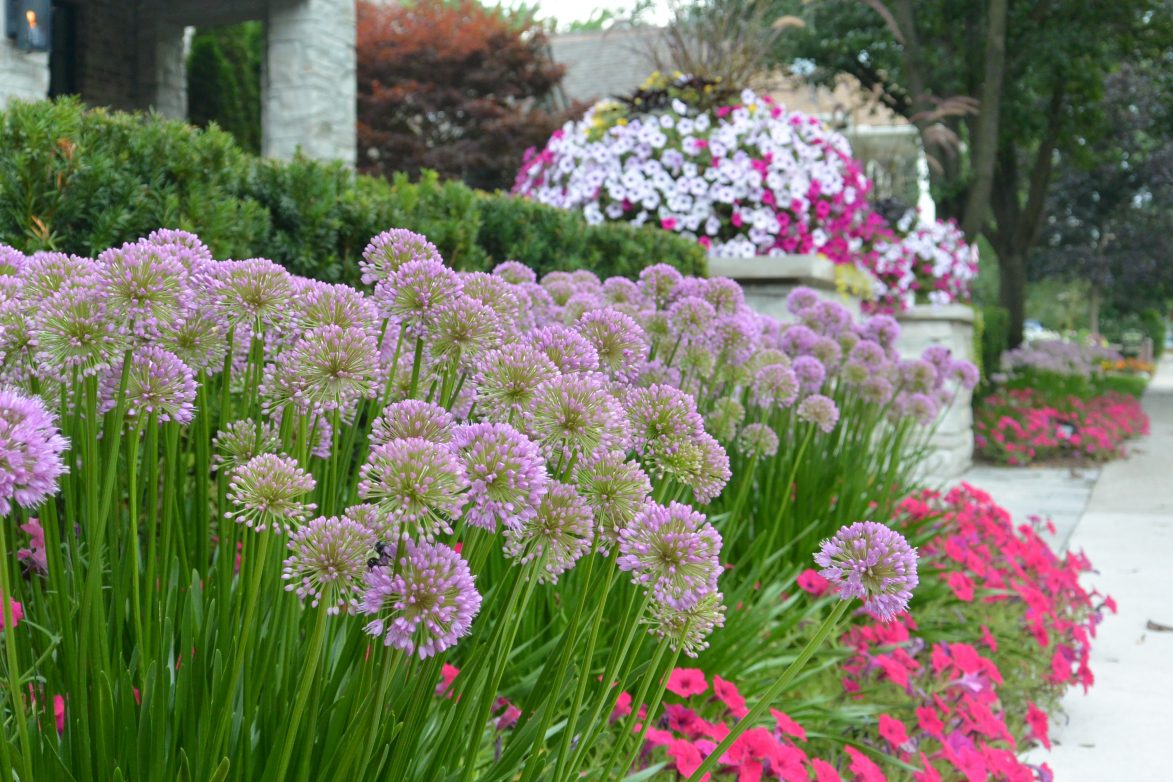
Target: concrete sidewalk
<point>1122,518</point>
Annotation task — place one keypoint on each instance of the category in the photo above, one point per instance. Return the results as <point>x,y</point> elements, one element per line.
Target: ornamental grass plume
<point>423,605</point>
<point>267,492</point>
<point>873,563</point>
<point>327,562</point>
<point>31,450</point>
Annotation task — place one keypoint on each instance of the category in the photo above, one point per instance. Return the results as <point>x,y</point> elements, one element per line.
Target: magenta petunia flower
<point>327,562</point>
<point>873,563</point>
<point>30,451</point>
<point>426,603</point>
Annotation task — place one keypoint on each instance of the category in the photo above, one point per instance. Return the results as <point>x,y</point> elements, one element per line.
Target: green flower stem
<point>15,698</point>
<point>416,362</point>
<point>308,675</point>
<point>776,689</point>
<point>629,726</point>
<point>136,600</point>
<point>650,716</point>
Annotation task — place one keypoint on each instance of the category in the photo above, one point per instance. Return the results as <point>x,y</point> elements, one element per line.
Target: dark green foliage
<point>1133,385</point>
<point>995,339</point>
<point>1153,323</point>
<point>79,181</point>
<point>224,80</point>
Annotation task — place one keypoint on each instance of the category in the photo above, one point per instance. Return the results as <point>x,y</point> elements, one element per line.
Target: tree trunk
<point>1012,266</point>
<point>1094,314</point>
<point>985,139</point>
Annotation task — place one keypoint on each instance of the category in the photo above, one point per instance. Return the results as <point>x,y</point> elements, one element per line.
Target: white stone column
<point>163,75</point>
<point>23,75</point>
<point>308,80</point>
<point>951,326</point>
<point>768,279</point>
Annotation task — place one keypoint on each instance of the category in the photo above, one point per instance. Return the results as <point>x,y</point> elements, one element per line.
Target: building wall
<point>23,75</point>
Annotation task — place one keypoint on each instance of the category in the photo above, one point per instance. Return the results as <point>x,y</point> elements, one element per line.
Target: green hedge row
<point>79,180</point>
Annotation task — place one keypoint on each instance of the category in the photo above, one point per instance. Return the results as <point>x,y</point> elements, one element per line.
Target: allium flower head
<point>506,472</point>
<point>146,285</point>
<point>673,551</point>
<point>321,304</point>
<point>869,561</point>
<point>44,274</point>
<point>819,410</point>
<point>827,350</point>
<point>556,536</point>
<point>30,451</point>
<point>734,338</point>
<point>75,331</point>
<point>810,373</point>
<point>697,360</point>
<point>176,239</point>
<point>158,383</point>
<point>725,418</point>
<point>495,293</point>
<point>463,330</point>
<point>658,281</point>
<point>855,373</point>
<point>922,407</point>
<point>257,291</point>
<point>622,291</point>
<point>918,376</point>
<point>699,463</point>
<point>413,418</point>
<point>418,291</point>
<point>371,518</point>
<point>327,562</point>
<point>508,378</point>
<point>426,603</point>
<point>616,489</point>
<point>331,367</point>
<point>618,340</point>
<point>870,354</point>
<point>687,630</point>
<point>238,441</point>
<point>199,339</point>
<point>661,416</point>
<point>11,260</point>
<point>877,390</point>
<point>800,299</point>
<point>775,385</point>
<point>515,272</point>
<point>759,441</point>
<point>883,329</point>
<point>390,250</point>
<point>965,372</point>
<point>419,484</point>
<point>725,295</point>
<point>569,350</point>
<point>267,491</point>
<point>574,416</point>
<point>691,317</point>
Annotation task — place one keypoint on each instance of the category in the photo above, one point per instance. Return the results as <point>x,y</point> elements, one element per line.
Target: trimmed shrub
<point>78,181</point>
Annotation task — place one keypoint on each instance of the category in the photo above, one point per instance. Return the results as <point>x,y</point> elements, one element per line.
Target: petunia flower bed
<point>258,522</point>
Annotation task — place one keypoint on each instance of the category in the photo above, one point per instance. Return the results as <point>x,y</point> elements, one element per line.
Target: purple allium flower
<point>699,463</point>
<point>30,451</point>
<point>725,295</point>
<point>495,293</point>
<point>939,356</point>
<point>426,603</point>
<point>827,350</point>
<point>266,491</point>
<point>869,561</point>
<point>883,329</point>
<point>574,416</point>
<point>618,340</point>
<point>158,383</point>
<point>868,353</point>
<point>855,373</point>
<point>759,441</point>
<point>797,340</point>
<point>810,373</point>
<point>256,292</point>
<point>416,482</point>
<point>507,476</point>
<point>515,272</point>
<point>734,338</point>
<point>616,489</point>
<point>583,302</point>
<point>146,285</point>
<point>965,372</point>
<point>697,360</point>
<point>417,292</point>
<point>508,378</point>
<point>569,350</point>
<point>555,537</point>
<point>800,299</point>
<point>658,282</point>
<point>775,385</point>
<point>464,329</point>
<point>620,290</point>
<point>876,390</point>
<point>413,418</point>
<point>177,239</point>
<point>559,287</point>
<point>238,441</point>
<point>11,260</point>
<point>44,274</point>
<point>828,318</point>
<point>661,416</point>
<point>656,372</point>
<point>687,630</point>
<point>327,562</point>
<point>691,317</point>
<point>922,407</point>
<point>673,551</point>
<point>328,368</point>
<point>725,418</point>
<point>390,250</point>
<point>74,331</point>
<point>321,304</point>
<point>918,376</point>
<point>848,339</point>
<point>819,410</point>
<point>199,339</point>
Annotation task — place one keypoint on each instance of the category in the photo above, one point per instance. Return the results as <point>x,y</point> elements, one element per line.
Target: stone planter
<point>950,325</point>
<point>768,279</point>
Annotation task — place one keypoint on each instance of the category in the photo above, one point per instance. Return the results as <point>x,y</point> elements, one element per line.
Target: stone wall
<point>768,279</point>
<point>23,75</point>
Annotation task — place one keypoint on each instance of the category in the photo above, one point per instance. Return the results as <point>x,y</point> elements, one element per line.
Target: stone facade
<point>23,75</point>
<point>950,326</point>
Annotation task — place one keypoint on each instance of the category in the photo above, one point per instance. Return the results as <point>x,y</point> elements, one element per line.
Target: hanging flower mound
<point>747,178</point>
<point>921,263</point>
